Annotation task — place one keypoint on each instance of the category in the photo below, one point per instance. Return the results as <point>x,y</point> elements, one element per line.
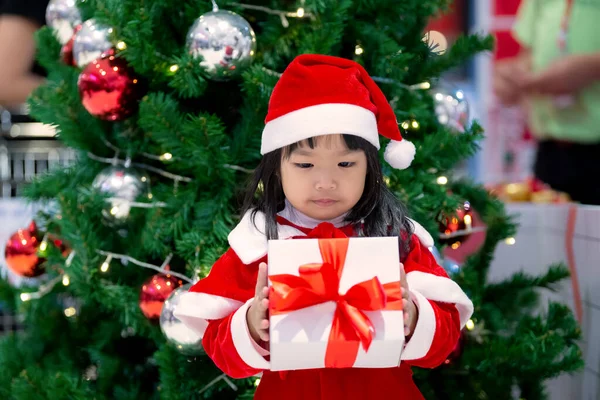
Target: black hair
<point>377,213</point>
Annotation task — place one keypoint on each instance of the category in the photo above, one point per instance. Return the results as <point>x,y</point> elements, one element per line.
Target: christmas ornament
<point>225,42</point>
<point>456,228</point>
<point>91,42</point>
<point>154,293</point>
<point>21,253</point>
<point>63,16</point>
<point>109,89</point>
<point>123,185</point>
<point>451,107</point>
<point>186,340</point>
<point>66,53</point>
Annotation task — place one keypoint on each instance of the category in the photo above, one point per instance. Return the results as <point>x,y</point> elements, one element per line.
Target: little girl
<point>320,164</point>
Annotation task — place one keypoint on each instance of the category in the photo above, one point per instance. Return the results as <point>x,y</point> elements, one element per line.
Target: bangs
<point>352,142</point>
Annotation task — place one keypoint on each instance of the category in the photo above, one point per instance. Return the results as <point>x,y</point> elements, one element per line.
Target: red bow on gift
<point>319,283</point>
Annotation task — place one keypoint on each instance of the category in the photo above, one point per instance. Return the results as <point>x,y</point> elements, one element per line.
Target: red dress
<point>217,305</point>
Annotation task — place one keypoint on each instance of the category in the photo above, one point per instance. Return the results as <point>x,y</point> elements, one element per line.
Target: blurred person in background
<point>556,77</point>
<point>19,74</point>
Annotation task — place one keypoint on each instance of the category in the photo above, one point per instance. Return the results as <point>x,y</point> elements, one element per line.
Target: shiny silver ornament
<point>451,107</point>
<point>63,16</point>
<point>91,42</point>
<point>225,41</point>
<point>123,185</point>
<point>186,340</point>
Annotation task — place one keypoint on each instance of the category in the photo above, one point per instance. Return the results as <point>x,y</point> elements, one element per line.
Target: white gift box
<point>299,338</point>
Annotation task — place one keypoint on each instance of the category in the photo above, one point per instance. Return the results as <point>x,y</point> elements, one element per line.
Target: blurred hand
<point>257,317</point>
<point>411,313</point>
<point>568,75</point>
<point>509,77</point>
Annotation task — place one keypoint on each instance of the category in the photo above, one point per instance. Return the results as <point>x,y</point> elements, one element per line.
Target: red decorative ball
<point>154,293</point>
<point>21,253</point>
<point>455,229</point>
<point>66,53</point>
<point>109,89</point>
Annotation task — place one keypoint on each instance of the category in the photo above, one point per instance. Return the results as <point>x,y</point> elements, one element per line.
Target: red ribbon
<point>319,283</point>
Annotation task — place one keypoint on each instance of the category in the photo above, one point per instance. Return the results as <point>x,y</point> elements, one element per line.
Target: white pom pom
<point>399,154</point>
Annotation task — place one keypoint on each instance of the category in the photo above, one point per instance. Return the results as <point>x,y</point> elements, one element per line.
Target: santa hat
<point>323,95</point>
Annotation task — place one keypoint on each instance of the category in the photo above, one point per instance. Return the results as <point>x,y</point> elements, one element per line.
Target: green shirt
<point>538,26</point>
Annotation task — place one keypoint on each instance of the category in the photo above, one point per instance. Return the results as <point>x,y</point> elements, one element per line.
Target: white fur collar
<point>250,243</point>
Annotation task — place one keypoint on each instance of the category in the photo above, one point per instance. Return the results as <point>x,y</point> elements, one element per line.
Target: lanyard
<point>564,27</point>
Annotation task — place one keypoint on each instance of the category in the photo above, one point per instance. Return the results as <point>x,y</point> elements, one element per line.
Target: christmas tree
<point>165,103</point>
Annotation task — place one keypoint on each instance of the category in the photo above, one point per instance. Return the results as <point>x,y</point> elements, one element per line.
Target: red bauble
<point>455,229</point>
<point>109,89</point>
<point>154,293</point>
<point>66,53</point>
<point>21,253</point>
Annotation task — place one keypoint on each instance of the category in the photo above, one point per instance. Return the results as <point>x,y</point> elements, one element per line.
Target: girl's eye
<point>303,165</point>
<point>346,164</point>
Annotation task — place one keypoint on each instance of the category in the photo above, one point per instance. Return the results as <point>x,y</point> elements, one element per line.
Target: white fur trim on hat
<point>322,119</point>
<point>399,153</point>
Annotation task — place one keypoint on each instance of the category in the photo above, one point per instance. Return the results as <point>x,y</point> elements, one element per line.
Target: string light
<point>173,68</point>
<point>70,312</point>
<point>300,12</point>
<point>166,157</point>
<point>257,382</point>
<point>162,269</point>
<point>25,297</point>
<point>121,45</point>
<point>65,280</point>
<point>470,325</point>
<point>70,259</point>
<point>44,244</point>
<point>386,180</point>
<point>442,180</point>
<point>43,289</point>
<point>405,125</point>
<point>358,50</point>
<point>415,124</point>
<point>510,241</point>
<point>106,264</point>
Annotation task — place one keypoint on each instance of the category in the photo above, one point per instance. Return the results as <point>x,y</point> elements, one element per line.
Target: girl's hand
<point>257,317</point>
<point>411,313</point>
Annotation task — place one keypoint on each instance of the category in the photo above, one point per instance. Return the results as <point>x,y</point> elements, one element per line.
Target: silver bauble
<point>63,16</point>
<point>451,107</point>
<point>186,340</point>
<point>91,42</point>
<point>225,41</point>
<point>123,186</point>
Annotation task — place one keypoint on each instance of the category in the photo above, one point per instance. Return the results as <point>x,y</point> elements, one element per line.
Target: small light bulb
<point>425,85</point>
<point>43,245</point>
<point>439,96</point>
<point>386,179</point>
<point>405,125</point>
<point>257,382</point>
<point>121,45</point>
<point>144,179</point>
<point>174,68</point>
<point>460,95</point>
<point>468,221</point>
<point>150,196</point>
<point>470,325</point>
<point>135,81</point>
<point>510,241</point>
<point>442,180</point>
<point>66,281</point>
<point>415,124</point>
<point>455,245</point>
<point>25,297</point>
<point>114,210</point>
<point>358,50</point>
<point>70,312</point>
<point>23,242</point>
<point>300,12</point>
<point>104,267</point>
<point>166,156</point>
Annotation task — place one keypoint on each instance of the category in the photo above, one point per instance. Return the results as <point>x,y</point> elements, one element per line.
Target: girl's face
<point>324,182</point>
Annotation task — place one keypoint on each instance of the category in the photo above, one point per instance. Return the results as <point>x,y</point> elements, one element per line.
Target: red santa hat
<point>323,95</point>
